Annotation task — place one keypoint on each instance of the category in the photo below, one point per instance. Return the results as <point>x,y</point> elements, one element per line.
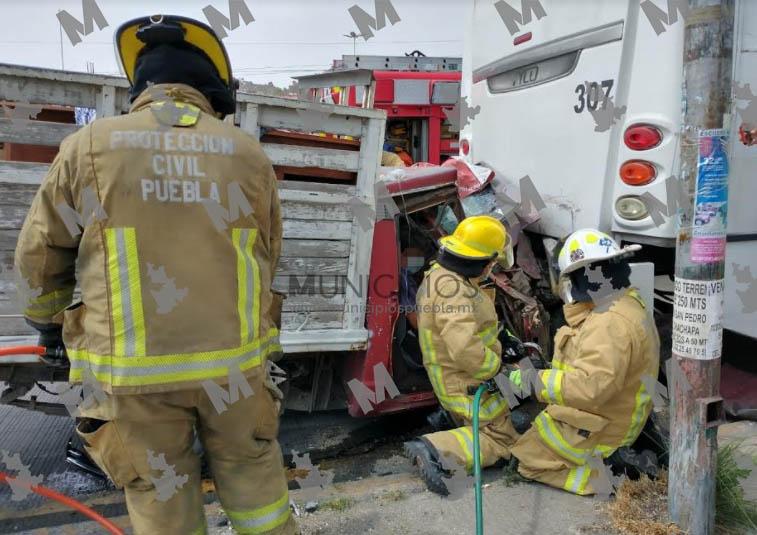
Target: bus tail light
<point>465,147</point>
<point>637,172</point>
<point>642,137</point>
<point>631,207</point>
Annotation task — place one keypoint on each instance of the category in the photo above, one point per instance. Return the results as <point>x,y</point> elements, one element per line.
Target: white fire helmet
<point>584,247</point>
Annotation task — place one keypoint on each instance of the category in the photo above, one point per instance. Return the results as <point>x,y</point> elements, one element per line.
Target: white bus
<point>538,69</point>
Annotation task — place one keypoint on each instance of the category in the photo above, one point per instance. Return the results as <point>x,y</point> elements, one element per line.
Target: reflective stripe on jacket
<point>458,330</point>
<point>175,232</point>
<point>596,380</point>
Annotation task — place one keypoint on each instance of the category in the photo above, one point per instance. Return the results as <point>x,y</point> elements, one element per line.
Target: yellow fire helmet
<point>478,238</point>
<point>133,36</point>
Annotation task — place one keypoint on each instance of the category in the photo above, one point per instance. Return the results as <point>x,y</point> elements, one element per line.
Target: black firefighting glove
<point>51,337</point>
<point>512,348</point>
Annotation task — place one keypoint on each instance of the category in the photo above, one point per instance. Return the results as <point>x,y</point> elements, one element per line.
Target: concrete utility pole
<point>696,407</point>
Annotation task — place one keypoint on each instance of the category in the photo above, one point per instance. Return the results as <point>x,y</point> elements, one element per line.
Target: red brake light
<point>465,147</point>
<point>637,172</point>
<point>642,137</point>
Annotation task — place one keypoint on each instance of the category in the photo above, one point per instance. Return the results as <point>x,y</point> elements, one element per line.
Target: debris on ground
<point>311,507</point>
<point>641,507</point>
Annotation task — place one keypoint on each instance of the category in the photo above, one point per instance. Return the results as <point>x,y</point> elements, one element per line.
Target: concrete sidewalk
<point>398,504</point>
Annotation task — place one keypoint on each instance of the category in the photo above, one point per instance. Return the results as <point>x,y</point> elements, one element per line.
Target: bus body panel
<point>534,119</point>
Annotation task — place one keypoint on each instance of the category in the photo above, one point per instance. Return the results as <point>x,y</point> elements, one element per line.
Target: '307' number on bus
<point>589,97</point>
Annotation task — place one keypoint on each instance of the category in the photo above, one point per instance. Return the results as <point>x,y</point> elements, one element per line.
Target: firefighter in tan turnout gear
<point>458,331</point>
<point>596,399</point>
<point>171,217</point>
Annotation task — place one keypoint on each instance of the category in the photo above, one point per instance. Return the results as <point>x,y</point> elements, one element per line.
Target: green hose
<point>477,461</point>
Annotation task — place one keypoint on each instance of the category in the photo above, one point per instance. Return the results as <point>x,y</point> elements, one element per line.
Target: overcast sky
<point>288,37</point>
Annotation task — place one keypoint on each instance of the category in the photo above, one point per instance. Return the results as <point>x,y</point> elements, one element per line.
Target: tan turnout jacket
<point>174,232</point>
<point>458,329</point>
<point>595,385</point>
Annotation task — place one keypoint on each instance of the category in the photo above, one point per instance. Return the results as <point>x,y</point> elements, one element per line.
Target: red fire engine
<point>414,91</point>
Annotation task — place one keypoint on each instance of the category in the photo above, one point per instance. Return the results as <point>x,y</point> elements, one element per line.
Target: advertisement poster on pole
<point>711,201</point>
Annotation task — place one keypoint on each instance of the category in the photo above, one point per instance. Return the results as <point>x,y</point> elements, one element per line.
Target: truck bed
<point>324,245</point>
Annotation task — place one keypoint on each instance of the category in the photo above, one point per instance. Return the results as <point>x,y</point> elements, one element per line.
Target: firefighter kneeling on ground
<point>458,331</point>
<point>597,401</point>
<point>152,357</point>
<point>595,396</point>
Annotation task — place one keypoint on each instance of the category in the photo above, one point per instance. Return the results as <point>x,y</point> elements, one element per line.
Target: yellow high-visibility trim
<point>77,374</point>
<point>170,359</point>
<point>638,416</point>
<point>248,284</point>
<point>119,341</point>
<point>634,293</point>
<point>263,519</point>
<point>126,292</point>
<point>562,366</point>
<point>465,440</point>
<point>577,479</point>
<point>490,365</point>
<point>552,381</point>
<point>48,305</point>
<point>489,335</point>
<point>236,237</point>
<point>491,407</point>
<point>135,291</point>
<point>552,437</point>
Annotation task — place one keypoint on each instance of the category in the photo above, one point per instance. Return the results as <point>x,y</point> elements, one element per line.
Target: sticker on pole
<point>698,318</point>
<point>711,201</point>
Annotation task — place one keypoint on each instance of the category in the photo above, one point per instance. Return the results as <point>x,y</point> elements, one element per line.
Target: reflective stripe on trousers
<point>263,519</point>
<point>464,436</point>
<point>491,407</point>
<point>248,283</point>
<point>158,369</point>
<point>126,292</point>
<point>551,436</point>
<point>577,479</point>
<point>48,305</point>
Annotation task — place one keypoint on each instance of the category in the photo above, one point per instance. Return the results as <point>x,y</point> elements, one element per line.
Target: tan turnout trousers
<point>241,447</point>
<point>458,328</point>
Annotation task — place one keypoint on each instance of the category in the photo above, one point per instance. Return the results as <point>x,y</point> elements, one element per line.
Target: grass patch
<point>734,514</point>
<point>338,504</point>
<point>394,495</point>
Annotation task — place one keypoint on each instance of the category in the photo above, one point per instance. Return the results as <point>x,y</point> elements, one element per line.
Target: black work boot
<point>430,468</point>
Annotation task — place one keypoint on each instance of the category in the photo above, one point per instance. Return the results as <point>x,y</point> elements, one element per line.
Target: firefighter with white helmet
<point>596,399</point>
<point>145,185</point>
<point>458,331</point>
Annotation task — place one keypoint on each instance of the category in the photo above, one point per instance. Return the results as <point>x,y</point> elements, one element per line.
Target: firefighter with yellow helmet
<point>149,189</point>
<point>596,398</point>
<point>458,331</point>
